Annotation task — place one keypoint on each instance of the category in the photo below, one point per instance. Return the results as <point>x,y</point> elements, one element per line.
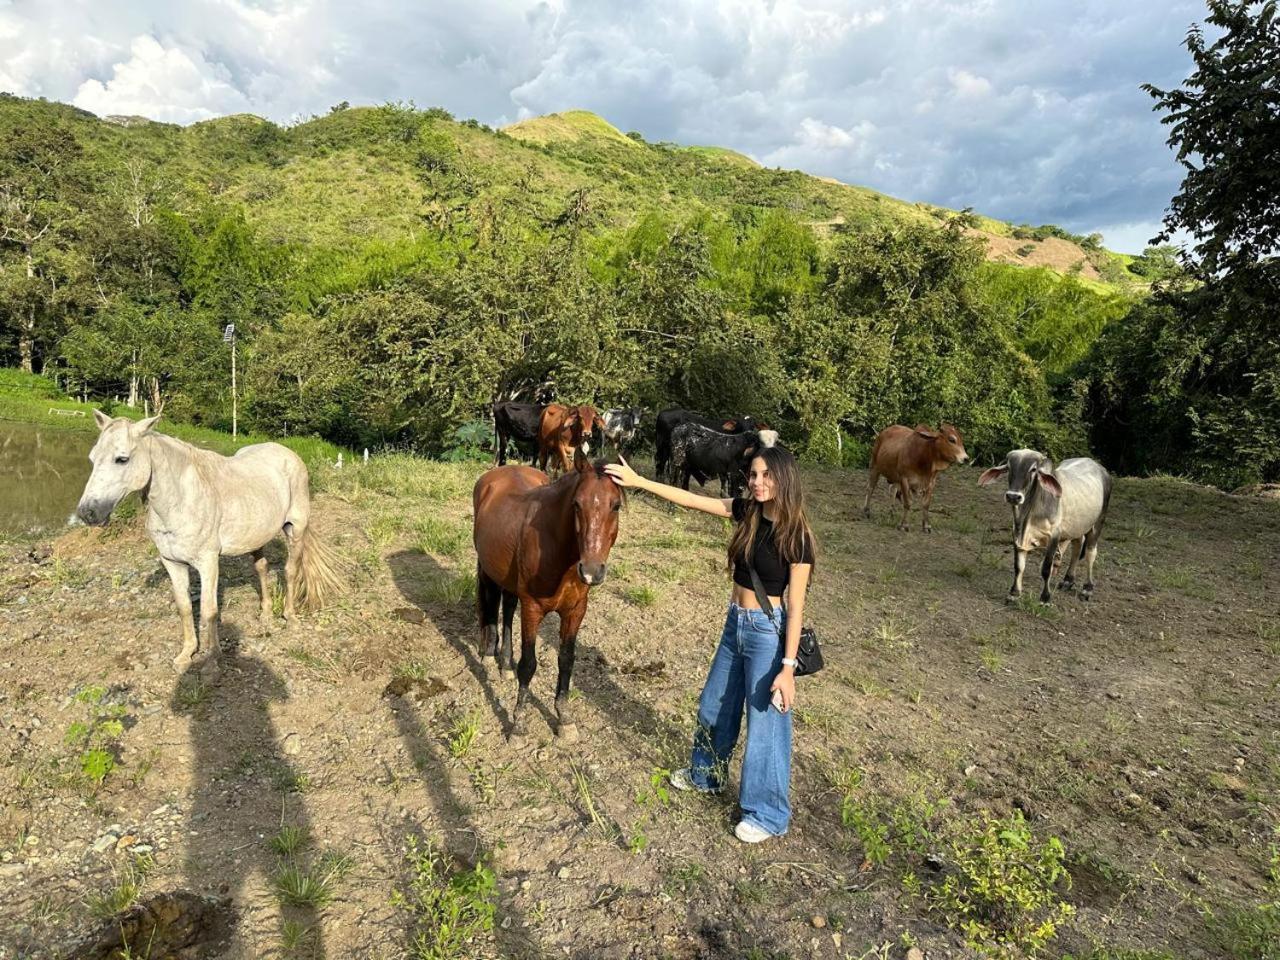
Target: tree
<point>1189,383</point>
<point>1225,127</point>
<point>40,194</point>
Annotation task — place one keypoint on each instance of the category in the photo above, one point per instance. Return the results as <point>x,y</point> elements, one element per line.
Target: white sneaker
<point>682,779</point>
<point>750,833</point>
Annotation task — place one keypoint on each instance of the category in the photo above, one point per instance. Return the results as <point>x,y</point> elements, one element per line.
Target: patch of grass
<point>641,596</point>
<point>1030,603</point>
<point>191,693</point>
<point>1175,577</point>
<point>462,736</point>
<point>289,841</point>
<point>301,886</point>
<point>416,669</point>
<point>324,668</point>
<point>435,535</point>
<point>450,587</point>
<point>63,573</point>
<point>127,886</point>
<point>684,878</point>
<point>451,908</point>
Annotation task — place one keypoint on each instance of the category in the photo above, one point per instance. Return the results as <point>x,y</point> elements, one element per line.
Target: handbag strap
<point>762,598</point>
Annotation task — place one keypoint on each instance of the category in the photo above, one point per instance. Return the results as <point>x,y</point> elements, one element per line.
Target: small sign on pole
<point>229,336</point>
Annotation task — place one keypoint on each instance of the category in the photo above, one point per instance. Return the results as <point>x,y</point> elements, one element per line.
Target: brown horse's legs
<point>488,597</point>
<point>569,624</point>
<point>506,660</point>
<point>530,619</point>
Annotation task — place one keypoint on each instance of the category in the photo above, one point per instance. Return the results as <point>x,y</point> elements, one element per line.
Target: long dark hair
<point>790,525</point>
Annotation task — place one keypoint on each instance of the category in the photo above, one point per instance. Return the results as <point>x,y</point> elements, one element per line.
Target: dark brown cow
<point>563,430</point>
<point>912,459</point>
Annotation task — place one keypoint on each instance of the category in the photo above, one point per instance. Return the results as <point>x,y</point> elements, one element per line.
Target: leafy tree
<point>1191,383</point>
<point>41,186</point>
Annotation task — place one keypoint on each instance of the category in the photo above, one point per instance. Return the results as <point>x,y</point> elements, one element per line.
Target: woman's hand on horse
<point>622,474</point>
<point>785,684</point>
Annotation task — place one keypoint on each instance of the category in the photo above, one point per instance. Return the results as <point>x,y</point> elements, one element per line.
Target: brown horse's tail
<point>319,571</point>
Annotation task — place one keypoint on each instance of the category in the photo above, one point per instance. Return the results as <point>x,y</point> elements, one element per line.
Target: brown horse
<point>562,430</point>
<point>545,545</point>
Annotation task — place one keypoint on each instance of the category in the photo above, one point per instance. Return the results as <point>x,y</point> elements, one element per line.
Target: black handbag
<point>809,654</point>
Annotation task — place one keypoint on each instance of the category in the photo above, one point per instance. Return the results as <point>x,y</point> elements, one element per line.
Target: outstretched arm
<point>622,474</point>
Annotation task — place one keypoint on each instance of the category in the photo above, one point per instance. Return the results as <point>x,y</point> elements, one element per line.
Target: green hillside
<point>390,271</point>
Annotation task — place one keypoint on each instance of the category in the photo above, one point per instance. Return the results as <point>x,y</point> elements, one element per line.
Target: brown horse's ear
<point>581,462</point>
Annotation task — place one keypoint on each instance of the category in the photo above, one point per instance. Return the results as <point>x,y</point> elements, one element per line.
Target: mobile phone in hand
<point>777,700</point>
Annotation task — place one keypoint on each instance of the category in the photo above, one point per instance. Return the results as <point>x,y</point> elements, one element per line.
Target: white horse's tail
<point>319,576</point>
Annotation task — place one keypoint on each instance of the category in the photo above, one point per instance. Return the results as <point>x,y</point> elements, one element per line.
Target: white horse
<point>202,505</point>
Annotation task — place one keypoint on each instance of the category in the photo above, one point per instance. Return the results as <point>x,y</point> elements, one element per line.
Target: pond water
<point>42,472</point>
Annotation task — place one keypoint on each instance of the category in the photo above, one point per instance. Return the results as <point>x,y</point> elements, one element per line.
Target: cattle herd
<point>1054,508</point>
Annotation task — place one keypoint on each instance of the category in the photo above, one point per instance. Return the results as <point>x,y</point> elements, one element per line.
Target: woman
<point>753,666</point>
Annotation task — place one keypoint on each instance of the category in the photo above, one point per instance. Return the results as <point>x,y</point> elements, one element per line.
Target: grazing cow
<point>665,425</point>
<point>620,427</point>
<point>1054,507</point>
<point>698,451</point>
<point>913,459</point>
<point>517,422</point>
<point>564,429</point>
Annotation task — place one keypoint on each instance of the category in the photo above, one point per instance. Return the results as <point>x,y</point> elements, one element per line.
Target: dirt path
<point>1139,728</point>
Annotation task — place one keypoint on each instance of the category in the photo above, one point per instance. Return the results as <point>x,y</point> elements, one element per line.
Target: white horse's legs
<point>264,584</point>
<point>180,578</point>
<point>207,567</point>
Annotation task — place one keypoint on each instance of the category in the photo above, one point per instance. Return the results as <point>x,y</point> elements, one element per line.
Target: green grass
<point>641,596</point>
<point>33,399</point>
<point>309,886</point>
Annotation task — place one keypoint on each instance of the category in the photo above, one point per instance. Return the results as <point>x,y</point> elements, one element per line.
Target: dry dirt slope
<point>1139,728</point>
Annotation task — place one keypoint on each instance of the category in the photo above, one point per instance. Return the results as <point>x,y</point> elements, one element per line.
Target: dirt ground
<point>1140,728</point>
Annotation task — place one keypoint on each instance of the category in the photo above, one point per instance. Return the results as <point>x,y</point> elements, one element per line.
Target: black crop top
<point>774,573</point>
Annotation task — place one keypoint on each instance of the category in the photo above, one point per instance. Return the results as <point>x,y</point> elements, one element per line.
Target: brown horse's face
<point>596,506</point>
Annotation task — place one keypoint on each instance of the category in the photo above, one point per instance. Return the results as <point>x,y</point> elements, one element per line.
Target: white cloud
<point>1030,112</point>
<point>815,133</point>
<point>968,85</point>
<point>164,83</point>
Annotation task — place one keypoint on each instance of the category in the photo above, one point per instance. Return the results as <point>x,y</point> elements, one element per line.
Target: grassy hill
<point>353,177</point>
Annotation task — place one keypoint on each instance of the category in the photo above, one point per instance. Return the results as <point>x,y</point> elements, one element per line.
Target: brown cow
<point>562,429</point>
<point>913,459</point>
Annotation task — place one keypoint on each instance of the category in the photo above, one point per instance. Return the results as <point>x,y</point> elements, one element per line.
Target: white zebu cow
<point>1054,507</point>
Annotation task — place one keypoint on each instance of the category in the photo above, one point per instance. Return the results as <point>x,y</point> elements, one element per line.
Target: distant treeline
<point>122,261</point>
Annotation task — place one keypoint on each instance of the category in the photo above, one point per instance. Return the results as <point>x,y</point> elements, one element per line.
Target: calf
<point>703,452</point>
<point>620,427</point>
<point>913,459</point>
<point>518,423</point>
<point>667,422</point>
<point>1053,508</point>
<point>564,429</point>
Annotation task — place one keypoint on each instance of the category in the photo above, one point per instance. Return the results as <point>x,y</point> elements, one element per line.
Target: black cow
<point>669,420</point>
<point>517,422</point>
<point>698,451</point>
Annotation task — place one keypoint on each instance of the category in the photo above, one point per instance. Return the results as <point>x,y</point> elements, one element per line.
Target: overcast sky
<point>1027,111</point>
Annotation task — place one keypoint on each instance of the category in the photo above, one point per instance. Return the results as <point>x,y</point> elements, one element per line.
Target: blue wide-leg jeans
<point>744,667</point>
